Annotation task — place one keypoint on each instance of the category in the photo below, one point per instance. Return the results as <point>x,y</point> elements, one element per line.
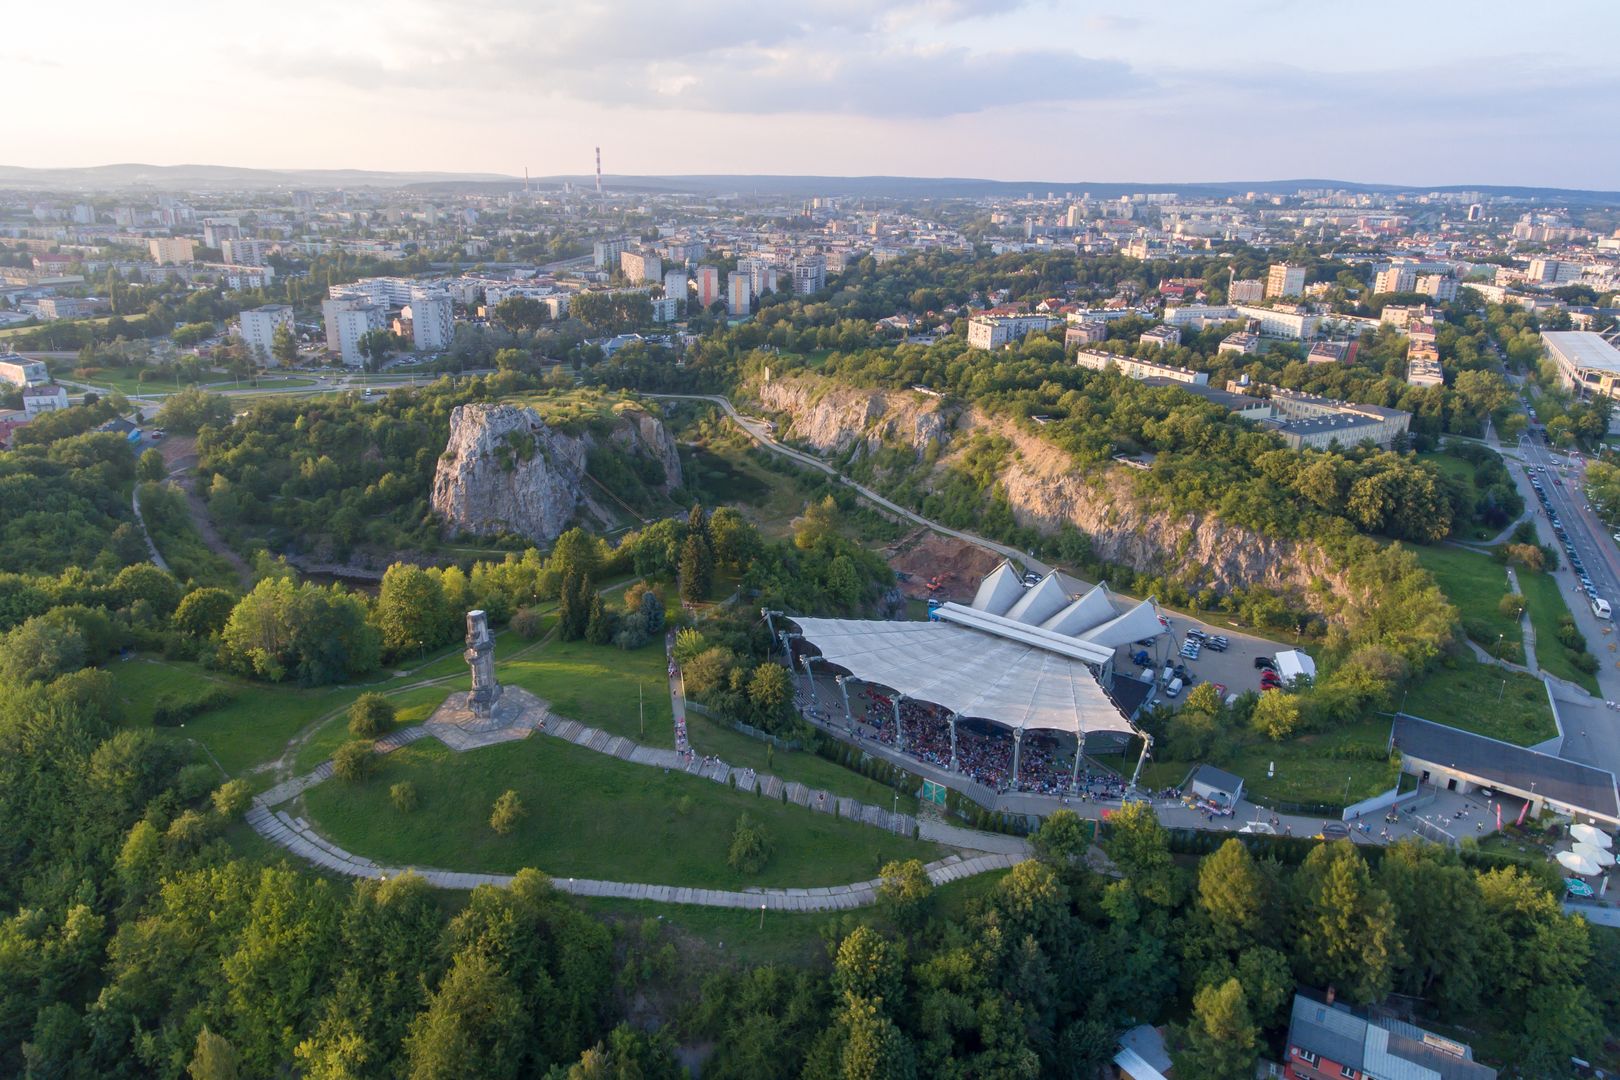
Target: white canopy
<point>971,672</point>
<point>1577,864</point>
<point>1598,856</point>
<point>1292,663</point>
<point>1590,834</point>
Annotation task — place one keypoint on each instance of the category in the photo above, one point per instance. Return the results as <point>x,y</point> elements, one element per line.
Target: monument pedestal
<point>458,722</point>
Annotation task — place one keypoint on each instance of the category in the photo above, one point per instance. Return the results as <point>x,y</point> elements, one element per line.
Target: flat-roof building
<point>1133,368</point>
<point>994,331</point>
<point>1285,279</point>
<point>21,371</point>
<point>257,329</point>
<point>1586,362</point>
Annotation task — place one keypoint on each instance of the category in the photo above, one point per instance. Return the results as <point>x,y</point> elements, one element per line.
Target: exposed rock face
<point>1044,488</point>
<point>504,470</point>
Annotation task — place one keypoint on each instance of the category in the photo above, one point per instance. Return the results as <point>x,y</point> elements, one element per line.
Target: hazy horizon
<point>1252,90</point>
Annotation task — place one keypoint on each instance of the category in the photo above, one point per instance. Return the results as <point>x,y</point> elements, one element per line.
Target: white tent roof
<point>1040,602</point>
<point>971,672</point>
<point>1088,611</point>
<point>1142,621</point>
<point>1000,590</point>
<point>1292,663</point>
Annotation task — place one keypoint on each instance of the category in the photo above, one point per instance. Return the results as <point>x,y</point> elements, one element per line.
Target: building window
<point>1307,1057</point>
<point>1347,1072</point>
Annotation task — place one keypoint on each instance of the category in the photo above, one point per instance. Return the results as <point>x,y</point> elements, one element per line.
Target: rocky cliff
<point>504,470</point>
<point>1043,487</point>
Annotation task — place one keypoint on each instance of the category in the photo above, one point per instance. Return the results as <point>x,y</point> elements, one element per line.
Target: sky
<point>1489,92</point>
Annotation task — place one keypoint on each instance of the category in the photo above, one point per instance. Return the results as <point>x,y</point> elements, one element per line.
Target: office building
<point>809,274</point>
<point>1586,362</point>
<point>1242,343</point>
<point>994,331</point>
<point>1423,364</point>
<point>347,321</point>
<point>257,329</point>
<point>1307,420</point>
<point>21,371</point>
<point>708,286</point>
<point>170,250</point>
<point>1199,316</point>
<point>245,252</point>
<point>1161,337</point>
<point>1281,322</point>
<point>739,293</point>
<point>43,399</point>
<point>675,285</point>
<point>66,307</point>
<point>433,320</point>
<point>1285,279</point>
<point>1333,352</point>
<point>641,266</point>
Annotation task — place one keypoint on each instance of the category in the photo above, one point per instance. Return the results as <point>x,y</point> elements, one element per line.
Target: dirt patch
<point>923,557</point>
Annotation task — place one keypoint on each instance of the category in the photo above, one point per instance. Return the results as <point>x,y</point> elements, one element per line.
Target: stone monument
<point>480,656</point>
<point>489,712</point>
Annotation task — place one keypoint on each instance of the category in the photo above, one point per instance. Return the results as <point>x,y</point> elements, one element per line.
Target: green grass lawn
<point>1475,584</point>
<point>597,685</point>
<point>588,815</point>
<point>1486,699</point>
<point>1546,606</point>
<point>413,707</point>
<point>1307,770</point>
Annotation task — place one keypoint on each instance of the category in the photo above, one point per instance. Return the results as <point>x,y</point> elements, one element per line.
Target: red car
<point>1270,679</point>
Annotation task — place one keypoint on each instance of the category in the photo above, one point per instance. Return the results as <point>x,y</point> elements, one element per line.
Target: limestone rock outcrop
<point>504,470</point>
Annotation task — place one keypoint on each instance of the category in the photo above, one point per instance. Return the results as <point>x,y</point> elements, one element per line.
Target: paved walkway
<point>135,504</point>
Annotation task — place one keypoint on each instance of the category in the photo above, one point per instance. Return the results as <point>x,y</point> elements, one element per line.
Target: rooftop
<point>1581,349</point>
<point>1568,782</point>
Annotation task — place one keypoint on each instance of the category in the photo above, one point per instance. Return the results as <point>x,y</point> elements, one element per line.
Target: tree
<point>213,1059</point>
<point>770,690</point>
<point>403,796</point>
<point>1222,1041</point>
<point>150,466</point>
<point>1140,847</point>
<point>1062,841</point>
<point>750,847</point>
<point>370,715</point>
<point>203,612</point>
<point>844,583</point>
<point>355,761</point>
<point>474,1024</point>
<point>508,811</point>
<point>600,627</point>
<point>1346,934</point>
<point>905,891</point>
<point>232,798</point>
<point>376,346</point>
<point>871,967</point>
<point>192,409</point>
<point>1276,715</point>
<point>697,570</point>
<point>1233,893</point>
<point>411,612</point>
<point>284,346</point>
<point>40,649</point>
<point>874,1048</point>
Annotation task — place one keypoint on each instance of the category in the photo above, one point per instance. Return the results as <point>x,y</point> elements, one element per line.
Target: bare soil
<point>923,556</point>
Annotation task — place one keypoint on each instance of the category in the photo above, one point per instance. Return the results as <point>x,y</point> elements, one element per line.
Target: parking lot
<point>1234,668</point>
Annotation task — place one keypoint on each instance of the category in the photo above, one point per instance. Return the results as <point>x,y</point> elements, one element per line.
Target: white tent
<point>1292,663</point>
<point>1599,856</point>
<point>1015,683</point>
<point>999,590</point>
<point>1590,834</point>
<point>1577,864</point>
<point>1142,621</point>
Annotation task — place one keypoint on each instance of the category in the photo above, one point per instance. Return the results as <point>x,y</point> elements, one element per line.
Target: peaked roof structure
<point>1023,657</point>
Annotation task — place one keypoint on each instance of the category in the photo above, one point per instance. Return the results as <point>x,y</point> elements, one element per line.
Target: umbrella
<point>1588,834</point>
<point>1577,887</point>
<point>1577,864</point>
<point>1597,855</point>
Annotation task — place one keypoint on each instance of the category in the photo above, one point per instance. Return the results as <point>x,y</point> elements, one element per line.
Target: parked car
<point>1265,662</point>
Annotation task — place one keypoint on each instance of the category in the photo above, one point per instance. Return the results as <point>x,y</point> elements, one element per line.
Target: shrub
<point>232,798</point>
<point>403,796</point>
<point>354,761</point>
<point>526,623</point>
<point>172,710</point>
<point>750,847</point>
<point>508,811</point>
<point>370,716</point>
<point>196,780</point>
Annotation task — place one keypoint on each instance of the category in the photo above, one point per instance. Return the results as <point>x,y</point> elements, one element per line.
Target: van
<point>1174,689</point>
<point>1601,608</point>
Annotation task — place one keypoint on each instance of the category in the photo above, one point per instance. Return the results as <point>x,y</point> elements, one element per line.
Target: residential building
<point>1401,317</point>
<point>762,275</point>
<point>257,328</point>
<point>1282,322</point>
<point>43,399</point>
<point>170,250</point>
<point>433,320</point>
<point>21,371</point>
<point>1246,291</point>
<point>1441,287</point>
<point>1393,279</point>
<point>994,331</point>
<point>739,293</point>
<point>1161,337</point>
<point>1553,272</point>
<point>1333,352</point>
<point>1241,343</point>
<point>708,286</point>
<point>809,274</point>
<point>675,285</point>
<point>1423,364</point>
<point>665,309</point>
<point>1089,332</point>
<point>1132,368</point>
<point>641,266</point>
<point>66,307</point>
<point>245,252</point>
<point>1199,316</point>
<point>348,320</point>
<point>1285,279</point>
<point>1586,362</point>
<point>1327,1040</point>
<point>605,253</point>
<point>218,230</point>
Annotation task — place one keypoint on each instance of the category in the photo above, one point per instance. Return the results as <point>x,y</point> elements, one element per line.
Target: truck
<point>1601,608</point>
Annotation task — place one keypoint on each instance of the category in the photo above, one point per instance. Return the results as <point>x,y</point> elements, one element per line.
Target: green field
<point>1308,770</point>
<point>1546,606</point>
<point>1475,584</point>
<point>598,686</point>
<point>589,815</point>
<point>1486,699</point>
<point>412,707</point>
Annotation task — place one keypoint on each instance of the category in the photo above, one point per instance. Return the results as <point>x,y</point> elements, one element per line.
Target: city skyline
<point>961,88</point>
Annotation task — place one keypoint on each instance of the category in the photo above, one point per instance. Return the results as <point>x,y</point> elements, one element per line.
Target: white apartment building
<point>675,285</point>
<point>21,371</point>
<point>43,399</point>
<point>394,292</point>
<point>1553,272</point>
<point>1199,316</point>
<point>1161,337</point>
<point>665,309</point>
<point>1132,368</point>
<point>739,293</point>
<point>809,274</point>
<point>1246,291</point>
<point>708,286</point>
<point>170,250</point>
<point>433,320</point>
<point>994,331</point>
<point>348,319</point>
<point>1285,279</point>
<point>1086,333</point>
<point>761,273</point>
<point>1241,343</point>
<point>1441,287</point>
<point>1395,279</point>
<point>245,252</point>
<point>1292,323</point>
<point>605,253</point>
<point>257,329</point>
<point>640,266</point>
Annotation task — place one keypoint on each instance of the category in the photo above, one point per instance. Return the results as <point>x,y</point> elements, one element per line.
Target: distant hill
<point>230,178</point>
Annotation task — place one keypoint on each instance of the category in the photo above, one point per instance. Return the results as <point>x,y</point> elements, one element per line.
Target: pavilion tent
<point>1142,621</point>
<point>1000,590</point>
<point>1092,609</point>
